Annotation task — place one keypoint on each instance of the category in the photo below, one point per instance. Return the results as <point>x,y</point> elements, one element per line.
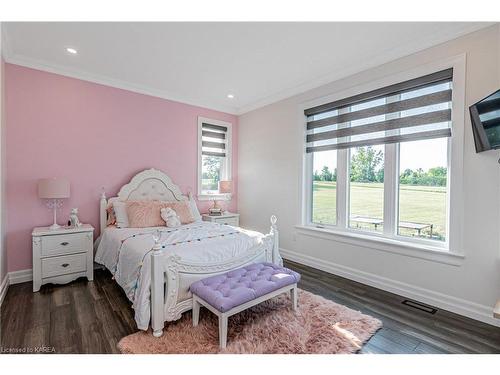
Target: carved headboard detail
<point>150,184</point>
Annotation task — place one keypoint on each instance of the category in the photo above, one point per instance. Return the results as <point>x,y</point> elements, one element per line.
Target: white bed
<point>156,277</point>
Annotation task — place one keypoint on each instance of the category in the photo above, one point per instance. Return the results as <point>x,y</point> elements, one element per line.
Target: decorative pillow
<point>121,215</point>
<point>170,217</point>
<point>111,218</point>
<point>142,214</point>
<point>183,210</point>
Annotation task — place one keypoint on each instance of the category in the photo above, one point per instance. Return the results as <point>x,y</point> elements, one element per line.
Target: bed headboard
<point>150,184</point>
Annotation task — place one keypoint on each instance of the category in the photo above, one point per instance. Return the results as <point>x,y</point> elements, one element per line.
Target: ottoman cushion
<point>236,287</point>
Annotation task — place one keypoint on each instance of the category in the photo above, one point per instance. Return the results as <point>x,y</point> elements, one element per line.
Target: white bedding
<point>126,253</point>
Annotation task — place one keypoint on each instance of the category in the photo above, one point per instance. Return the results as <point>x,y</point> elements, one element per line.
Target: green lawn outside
<point>418,204</point>
<point>209,184</point>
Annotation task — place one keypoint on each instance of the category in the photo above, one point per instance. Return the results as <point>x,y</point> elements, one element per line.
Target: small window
<point>211,171</point>
<point>214,156</point>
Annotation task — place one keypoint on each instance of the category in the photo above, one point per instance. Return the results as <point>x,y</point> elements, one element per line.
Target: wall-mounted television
<point>485,116</point>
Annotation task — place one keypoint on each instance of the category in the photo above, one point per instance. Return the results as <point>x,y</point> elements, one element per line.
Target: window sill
<point>414,250</point>
<point>211,197</point>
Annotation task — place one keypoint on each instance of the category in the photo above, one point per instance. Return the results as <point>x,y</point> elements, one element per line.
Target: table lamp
<point>226,187</point>
<point>54,190</point>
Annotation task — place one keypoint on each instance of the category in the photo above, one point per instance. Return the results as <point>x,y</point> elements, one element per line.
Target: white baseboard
<point>4,285</point>
<point>21,276</point>
<point>456,305</point>
<point>12,278</point>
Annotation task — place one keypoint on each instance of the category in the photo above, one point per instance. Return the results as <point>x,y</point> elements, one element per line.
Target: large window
<point>378,162</point>
<point>214,156</point>
<point>423,188</point>
<point>324,193</point>
<point>366,188</point>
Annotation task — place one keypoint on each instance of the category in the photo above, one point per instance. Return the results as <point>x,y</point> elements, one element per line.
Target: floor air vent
<point>420,306</point>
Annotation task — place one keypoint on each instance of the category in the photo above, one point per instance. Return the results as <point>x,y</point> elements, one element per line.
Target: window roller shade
<point>416,109</point>
<point>213,140</point>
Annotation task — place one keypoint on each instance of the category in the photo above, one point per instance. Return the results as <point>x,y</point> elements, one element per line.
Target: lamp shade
<point>53,188</point>
<point>225,187</point>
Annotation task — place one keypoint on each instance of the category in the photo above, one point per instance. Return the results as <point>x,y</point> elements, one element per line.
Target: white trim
<point>33,63</point>
<point>391,189</point>
<point>384,58</point>
<point>227,167</point>
<point>22,276</point>
<point>390,79</point>
<point>6,49</point>
<point>372,242</point>
<point>455,204</point>
<point>454,238</point>
<point>341,74</point>
<point>342,184</point>
<point>306,175</point>
<point>211,197</point>
<point>4,287</point>
<point>443,301</point>
<point>391,179</point>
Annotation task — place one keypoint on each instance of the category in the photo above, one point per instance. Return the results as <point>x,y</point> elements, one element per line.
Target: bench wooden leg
<point>222,331</point>
<point>196,312</point>
<point>293,296</point>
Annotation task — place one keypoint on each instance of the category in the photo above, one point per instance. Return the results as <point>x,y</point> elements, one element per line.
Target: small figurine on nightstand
<point>73,218</point>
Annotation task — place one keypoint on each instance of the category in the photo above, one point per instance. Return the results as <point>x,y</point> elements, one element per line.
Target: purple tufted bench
<point>229,293</point>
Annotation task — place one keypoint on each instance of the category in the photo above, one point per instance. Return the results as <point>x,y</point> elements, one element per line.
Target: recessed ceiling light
<point>230,96</point>
<point>71,50</point>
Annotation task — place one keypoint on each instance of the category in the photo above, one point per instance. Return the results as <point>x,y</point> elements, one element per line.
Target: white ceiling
<point>200,63</point>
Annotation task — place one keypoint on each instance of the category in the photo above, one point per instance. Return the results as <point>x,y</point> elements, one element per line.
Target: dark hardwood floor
<point>91,317</point>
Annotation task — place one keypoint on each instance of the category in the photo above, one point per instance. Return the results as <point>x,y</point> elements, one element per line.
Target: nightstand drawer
<point>64,244</point>
<point>228,221</point>
<point>62,255</point>
<point>63,265</point>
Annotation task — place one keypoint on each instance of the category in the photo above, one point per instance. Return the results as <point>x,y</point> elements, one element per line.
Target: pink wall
<point>96,136</point>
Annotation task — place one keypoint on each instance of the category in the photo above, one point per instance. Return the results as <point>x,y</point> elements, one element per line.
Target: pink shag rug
<point>318,326</point>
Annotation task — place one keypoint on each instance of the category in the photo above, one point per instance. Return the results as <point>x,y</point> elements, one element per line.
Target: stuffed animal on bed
<point>171,218</point>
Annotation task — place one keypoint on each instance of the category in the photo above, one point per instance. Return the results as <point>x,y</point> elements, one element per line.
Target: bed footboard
<point>157,291</point>
<point>276,256</point>
<point>165,277</point>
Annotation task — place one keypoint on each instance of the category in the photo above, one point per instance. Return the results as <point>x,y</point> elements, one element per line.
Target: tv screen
<point>485,116</point>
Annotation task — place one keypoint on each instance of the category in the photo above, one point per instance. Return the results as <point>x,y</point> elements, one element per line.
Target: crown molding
<point>384,57</point>
<point>45,66</point>
<point>6,45</point>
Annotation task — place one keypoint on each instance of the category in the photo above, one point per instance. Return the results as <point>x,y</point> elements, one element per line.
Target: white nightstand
<point>227,218</point>
<point>62,255</point>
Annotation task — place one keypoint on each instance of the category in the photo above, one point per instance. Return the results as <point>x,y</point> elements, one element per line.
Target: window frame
<point>226,172</point>
<point>348,187</point>
<point>454,233</point>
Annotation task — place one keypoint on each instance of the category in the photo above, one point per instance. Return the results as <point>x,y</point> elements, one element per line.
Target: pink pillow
<point>111,218</point>
<point>143,214</point>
